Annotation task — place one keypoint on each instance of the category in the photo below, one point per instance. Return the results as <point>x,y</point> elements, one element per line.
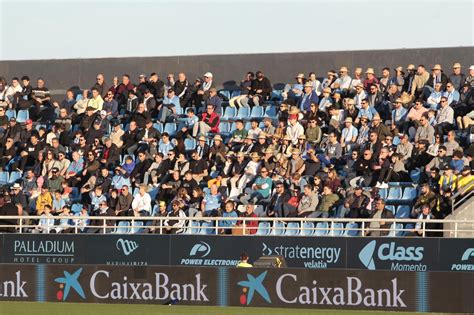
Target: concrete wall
<point>282,67</point>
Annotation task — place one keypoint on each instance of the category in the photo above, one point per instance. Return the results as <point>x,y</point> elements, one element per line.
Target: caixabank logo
<point>251,286</point>
<point>88,284</point>
<point>390,255</point>
<point>300,288</point>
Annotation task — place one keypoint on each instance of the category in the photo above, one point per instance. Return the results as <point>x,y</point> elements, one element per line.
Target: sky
<point>111,28</point>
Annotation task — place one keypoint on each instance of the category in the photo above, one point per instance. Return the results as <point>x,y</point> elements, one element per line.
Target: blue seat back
<point>278,228</point>
<point>229,112</point>
<point>307,229</point>
<point>263,228</point>
<point>410,193</point>
<point>292,229</point>
<point>257,112</point>
<point>4,177</point>
<point>14,176</point>
<point>189,144</point>
<point>394,193</point>
<point>22,116</point>
<point>403,212</point>
<point>123,227</point>
<point>321,229</point>
<point>170,128</point>
<point>337,229</point>
<point>243,112</point>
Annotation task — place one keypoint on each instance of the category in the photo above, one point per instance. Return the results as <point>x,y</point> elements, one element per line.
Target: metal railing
<point>458,199</point>
<point>242,226</point>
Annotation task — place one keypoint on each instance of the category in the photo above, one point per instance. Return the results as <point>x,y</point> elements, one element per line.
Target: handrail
<point>158,224</point>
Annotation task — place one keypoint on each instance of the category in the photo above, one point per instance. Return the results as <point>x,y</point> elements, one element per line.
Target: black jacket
<point>264,85</point>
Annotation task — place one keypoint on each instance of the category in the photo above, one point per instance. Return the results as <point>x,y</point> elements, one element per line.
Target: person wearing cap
<point>440,161</point>
<point>448,180</point>
<point>202,148</point>
<point>329,79</point>
<point>348,135</point>
<point>248,145</point>
<point>261,144</point>
<point>408,78</point>
<point>399,116</point>
<point>13,130</point>
<point>360,95</point>
<point>17,196</point>
<point>370,79</point>
<point>217,152</point>
<point>437,76</point>
<point>203,91</point>
<point>326,101</point>
<point>294,129</point>
<point>399,78</point>
<point>294,91</point>
<point>96,101</point>
<point>309,96</point>
<point>261,89</point>
<point>419,80</point>
<point>457,78</point>
<point>470,77</point>
<point>344,81</point>
<point>405,148</point>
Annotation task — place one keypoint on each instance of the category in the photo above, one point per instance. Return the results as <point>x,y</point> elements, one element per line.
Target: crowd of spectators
<point>320,147</point>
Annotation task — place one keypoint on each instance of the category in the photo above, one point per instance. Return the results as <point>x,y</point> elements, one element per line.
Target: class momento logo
<point>401,258</point>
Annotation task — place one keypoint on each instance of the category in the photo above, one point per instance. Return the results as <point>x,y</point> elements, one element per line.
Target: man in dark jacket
<point>279,199</point>
<point>378,224</point>
<point>261,89</point>
<point>110,154</point>
<point>141,167</point>
<point>156,87</point>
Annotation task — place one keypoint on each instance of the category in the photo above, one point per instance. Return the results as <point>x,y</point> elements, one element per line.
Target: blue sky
<point>94,29</point>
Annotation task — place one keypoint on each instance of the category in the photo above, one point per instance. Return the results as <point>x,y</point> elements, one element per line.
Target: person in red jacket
<point>209,122</point>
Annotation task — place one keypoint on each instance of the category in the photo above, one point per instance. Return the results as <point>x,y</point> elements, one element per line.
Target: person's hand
<point>259,91</point>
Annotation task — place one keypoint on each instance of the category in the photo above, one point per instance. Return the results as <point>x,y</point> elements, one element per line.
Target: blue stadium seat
<point>4,177</point>
<point>123,227</point>
<point>137,228</point>
<point>22,116</point>
<point>383,193</point>
<point>307,229</point>
<point>158,127</point>
<point>415,175</point>
<point>76,208</point>
<point>271,112</point>
<point>14,176</point>
<point>232,127</point>
<point>278,228</point>
<point>225,94</point>
<point>396,140</point>
<point>194,227</point>
<point>11,113</point>
<point>336,229</point>
<point>208,228</point>
<point>189,144</point>
<point>396,230</point>
<point>394,193</point>
<point>229,113</point>
<point>257,112</point>
<point>292,229</point>
<point>224,127</point>
<point>79,97</point>
<point>247,125</point>
<point>277,95</point>
<point>264,228</point>
<point>321,229</point>
<point>403,212</point>
<point>390,208</point>
<point>170,128</point>
<point>153,193</point>
<point>352,229</point>
<point>235,93</point>
<point>410,194</point>
<point>243,113</point>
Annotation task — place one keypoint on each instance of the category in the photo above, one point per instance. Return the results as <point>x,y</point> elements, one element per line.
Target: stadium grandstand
<point>355,153</point>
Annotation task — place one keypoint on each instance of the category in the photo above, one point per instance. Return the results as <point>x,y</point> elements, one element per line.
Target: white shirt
<point>143,203</point>
<point>294,132</point>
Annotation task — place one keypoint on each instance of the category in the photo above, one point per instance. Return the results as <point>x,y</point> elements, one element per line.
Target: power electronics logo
<point>251,286</point>
<point>311,257</point>
<point>464,265</point>
<point>126,246</point>
<point>202,249</point>
<point>68,282</point>
<point>198,256</point>
<point>401,258</point>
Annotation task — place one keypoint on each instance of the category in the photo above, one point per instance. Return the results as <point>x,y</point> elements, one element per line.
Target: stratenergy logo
<point>252,285</point>
<point>67,282</point>
<point>202,248</point>
<point>366,255</point>
<point>126,246</point>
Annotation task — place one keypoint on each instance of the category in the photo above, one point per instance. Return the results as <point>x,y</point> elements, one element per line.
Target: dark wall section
<point>282,67</point>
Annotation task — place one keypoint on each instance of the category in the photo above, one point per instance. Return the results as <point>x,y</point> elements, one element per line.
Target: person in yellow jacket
<point>43,199</point>
<point>465,181</point>
<point>243,263</point>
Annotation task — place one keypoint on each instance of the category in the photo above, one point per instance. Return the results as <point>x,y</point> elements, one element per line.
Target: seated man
<point>328,200</point>
<point>141,204</point>
<point>209,122</point>
<point>260,190</point>
<point>170,107</point>
<point>212,202</point>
